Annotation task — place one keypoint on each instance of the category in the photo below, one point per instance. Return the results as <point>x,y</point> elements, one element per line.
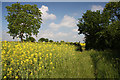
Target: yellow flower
<point>5,65</point>
<point>5,77</point>
<point>39,68</point>
<point>39,53</point>
<point>27,60</point>
<point>5,41</point>
<point>11,68</point>
<point>31,73</point>
<point>50,54</point>
<point>53,67</point>
<point>50,62</point>
<point>16,77</point>
<point>40,58</point>
<point>10,72</point>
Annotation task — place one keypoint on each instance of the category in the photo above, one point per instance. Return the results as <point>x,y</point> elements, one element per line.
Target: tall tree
<point>24,20</point>
<point>90,24</point>
<point>113,30</point>
<point>113,8</point>
<point>102,30</point>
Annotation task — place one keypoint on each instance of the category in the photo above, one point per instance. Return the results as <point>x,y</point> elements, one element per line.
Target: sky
<point>59,19</point>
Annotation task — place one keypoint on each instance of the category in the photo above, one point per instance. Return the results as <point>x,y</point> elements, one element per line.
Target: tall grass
<point>106,63</point>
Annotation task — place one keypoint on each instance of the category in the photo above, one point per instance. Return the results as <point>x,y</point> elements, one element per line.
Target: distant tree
<point>31,39</point>
<point>23,20</point>
<point>62,41</point>
<point>46,40</point>
<point>41,40</point>
<point>50,40</point>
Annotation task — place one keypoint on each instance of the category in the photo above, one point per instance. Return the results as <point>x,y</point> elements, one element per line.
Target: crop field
<point>51,60</point>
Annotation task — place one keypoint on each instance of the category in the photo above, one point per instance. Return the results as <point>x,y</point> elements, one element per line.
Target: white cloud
<point>75,30</point>
<point>67,21</point>
<point>77,38</point>
<point>45,34</point>
<point>54,26</point>
<point>7,37</point>
<point>51,35</point>
<point>45,14</point>
<point>96,7</point>
<point>61,34</point>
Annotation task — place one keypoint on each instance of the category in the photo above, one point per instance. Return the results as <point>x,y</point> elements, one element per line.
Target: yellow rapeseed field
<point>33,60</point>
<point>54,60</point>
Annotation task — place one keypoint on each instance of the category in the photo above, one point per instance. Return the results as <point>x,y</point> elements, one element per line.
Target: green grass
<point>106,63</point>
<point>67,62</point>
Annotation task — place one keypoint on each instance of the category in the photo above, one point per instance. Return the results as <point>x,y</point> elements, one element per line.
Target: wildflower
<point>16,77</point>
<point>40,58</point>
<point>39,68</point>
<point>5,77</point>
<point>50,62</point>
<point>31,73</point>
<point>10,72</point>
<point>50,54</point>
<point>39,53</point>
<point>53,67</point>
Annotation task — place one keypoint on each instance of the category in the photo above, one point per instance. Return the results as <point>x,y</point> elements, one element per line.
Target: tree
<point>113,8</point>
<point>111,35</point>
<point>30,39</point>
<point>46,40</point>
<point>102,30</point>
<point>62,41</point>
<point>50,40</point>
<point>41,40</point>
<point>113,30</point>
<point>90,24</point>
<point>24,20</point>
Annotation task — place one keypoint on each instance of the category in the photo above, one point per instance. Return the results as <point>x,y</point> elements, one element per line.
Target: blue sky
<point>59,19</point>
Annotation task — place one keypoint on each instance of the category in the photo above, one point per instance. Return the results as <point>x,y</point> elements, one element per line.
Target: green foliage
<point>90,24</point>
<point>30,39</point>
<point>113,8</point>
<point>41,40</point>
<point>62,41</point>
<point>112,35</point>
<point>102,28</point>
<point>23,20</point>
<point>50,40</point>
<point>44,40</point>
<point>105,63</point>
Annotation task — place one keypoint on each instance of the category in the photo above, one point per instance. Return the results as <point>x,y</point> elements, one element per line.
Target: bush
<point>30,39</point>
<point>51,41</point>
